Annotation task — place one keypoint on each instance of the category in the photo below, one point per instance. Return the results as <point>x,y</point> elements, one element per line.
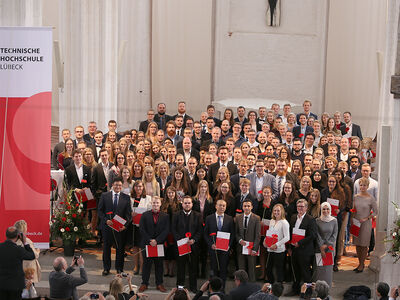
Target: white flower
<point>398,212</point>
<point>394,233</point>
<point>81,205</point>
<point>75,228</point>
<point>62,229</point>
<point>50,223</point>
<point>88,226</point>
<point>67,212</point>
<point>79,211</point>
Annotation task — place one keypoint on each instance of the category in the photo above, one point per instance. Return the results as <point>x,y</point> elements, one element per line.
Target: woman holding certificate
<point>275,239</point>
<point>327,230</point>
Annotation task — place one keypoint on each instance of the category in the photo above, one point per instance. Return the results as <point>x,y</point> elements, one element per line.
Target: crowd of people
<point>278,189</point>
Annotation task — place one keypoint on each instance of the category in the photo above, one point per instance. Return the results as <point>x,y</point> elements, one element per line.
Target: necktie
<point>241,200</point>
<point>219,225</point>
<point>245,222</point>
<point>279,184</point>
<point>115,203</point>
<point>161,122</point>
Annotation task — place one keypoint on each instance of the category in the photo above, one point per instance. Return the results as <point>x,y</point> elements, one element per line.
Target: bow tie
<point>97,146</point>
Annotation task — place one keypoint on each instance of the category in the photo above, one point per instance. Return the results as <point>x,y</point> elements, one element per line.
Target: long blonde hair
<point>209,198</point>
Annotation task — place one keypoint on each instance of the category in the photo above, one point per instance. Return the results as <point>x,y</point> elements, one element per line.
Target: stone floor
<point>93,264</point>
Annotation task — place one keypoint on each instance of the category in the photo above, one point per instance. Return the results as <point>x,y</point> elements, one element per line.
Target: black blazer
<point>213,170</point>
<point>306,245</point>
<point>297,130</point>
<point>99,181</point>
<point>209,209</point>
<point>106,204</point>
<point>244,290</point>
<point>149,230</point>
<point>12,276</point>
<point>72,179</point>
<point>238,205</point>
<point>193,152</point>
<point>355,131</point>
<point>211,227</point>
<point>235,180</point>
<point>184,119</point>
<point>310,115</point>
<point>157,120</point>
<point>195,226</point>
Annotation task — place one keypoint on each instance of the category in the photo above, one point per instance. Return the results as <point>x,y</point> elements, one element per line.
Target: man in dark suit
<point>188,151</point>
<point>182,112</point>
<point>235,179</point>
<point>62,283</point>
<point>12,278</point>
<point>77,175</point>
<point>307,111</point>
<point>112,126</point>
<point>89,137</point>
<point>354,171</point>
<point>300,130</point>
<point>244,195</point>
<point>222,162</point>
<point>154,228</point>
<point>282,175</point>
<point>114,203</point>
<point>213,286</point>
<point>188,223</point>
<point>297,150</point>
<point>248,230</point>
<point>99,182</point>
<point>66,134</point>
<point>214,223</point>
<point>241,118</point>
<point>243,288</point>
<point>161,118</point>
<point>98,144</point>
<point>215,138</point>
<point>144,124</point>
<point>349,129</point>
<point>302,252</point>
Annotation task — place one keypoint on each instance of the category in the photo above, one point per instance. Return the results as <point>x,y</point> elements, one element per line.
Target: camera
<point>309,285</point>
<point>180,287</point>
<point>396,293</point>
<point>76,257</point>
<point>123,274</point>
<point>94,296</point>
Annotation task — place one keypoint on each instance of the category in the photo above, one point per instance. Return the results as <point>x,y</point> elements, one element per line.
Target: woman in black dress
<point>170,205</point>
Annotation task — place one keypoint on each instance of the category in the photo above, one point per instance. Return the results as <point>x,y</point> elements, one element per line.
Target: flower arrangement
<point>394,237</point>
<point>68,221</point>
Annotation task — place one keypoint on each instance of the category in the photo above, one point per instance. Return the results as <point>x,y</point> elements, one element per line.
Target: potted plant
<point>69,223</point>
<point>394,236</point>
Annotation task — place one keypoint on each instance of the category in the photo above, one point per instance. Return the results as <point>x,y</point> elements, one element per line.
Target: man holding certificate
<point>154,228</point>
<point>187,229</point>
<point>114,211</point>
<point>219,233</point>
<point>248,236</point>
<point>303,232</point>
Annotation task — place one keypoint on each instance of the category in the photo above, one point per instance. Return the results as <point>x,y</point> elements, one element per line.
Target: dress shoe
<point>142,288</point>
<point>359,271</point>
<point>292,293</point>
<point>105,272</point>
<point>161,288</point>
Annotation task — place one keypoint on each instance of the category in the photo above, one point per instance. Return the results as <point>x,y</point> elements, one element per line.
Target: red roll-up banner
<point>25,129</point>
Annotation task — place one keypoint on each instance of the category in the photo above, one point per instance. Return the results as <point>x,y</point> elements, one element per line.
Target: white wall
<point>182,54</point>
<point>356,33</point>
<point>281,63</point>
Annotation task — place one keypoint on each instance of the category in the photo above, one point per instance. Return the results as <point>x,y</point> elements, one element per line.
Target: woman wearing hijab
<point>319,180</point>
<point>327,231</point>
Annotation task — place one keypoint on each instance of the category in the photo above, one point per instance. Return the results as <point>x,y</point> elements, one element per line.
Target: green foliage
<point>68,221</point>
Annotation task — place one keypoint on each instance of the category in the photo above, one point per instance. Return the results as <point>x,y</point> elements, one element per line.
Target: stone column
<point>388,153</point>
<point>88,33</point>
<point>134,33</point>
<point>21,12</point>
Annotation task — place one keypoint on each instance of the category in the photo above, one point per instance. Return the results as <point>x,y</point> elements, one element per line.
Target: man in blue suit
<point>301,130</point>
<point>111,204</point>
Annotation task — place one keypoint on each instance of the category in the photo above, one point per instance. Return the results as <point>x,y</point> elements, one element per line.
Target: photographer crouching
<point>62,283</point>
<point>12,277</point>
